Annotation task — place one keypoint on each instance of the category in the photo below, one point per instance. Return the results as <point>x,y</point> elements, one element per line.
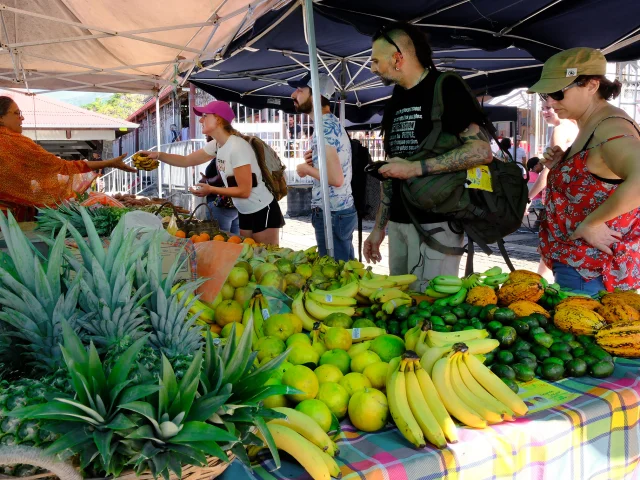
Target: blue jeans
<point>568,277</point>
<point>343,223</point>
<point>227,218</point>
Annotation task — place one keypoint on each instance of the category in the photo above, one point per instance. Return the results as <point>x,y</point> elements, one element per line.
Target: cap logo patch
<point>572,72</point>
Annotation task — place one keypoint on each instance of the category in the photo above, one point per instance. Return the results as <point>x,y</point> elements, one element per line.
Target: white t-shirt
<point>237,152</point>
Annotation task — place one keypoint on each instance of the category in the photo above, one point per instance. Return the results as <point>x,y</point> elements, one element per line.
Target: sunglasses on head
<point>559,95</point>
<point>383,33</point>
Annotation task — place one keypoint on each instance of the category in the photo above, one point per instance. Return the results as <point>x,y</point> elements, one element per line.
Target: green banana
<point>430,292</point>
<point>493,271</point>
<point>495,280</point>
<point>448,289</point>
<point>446,280</point>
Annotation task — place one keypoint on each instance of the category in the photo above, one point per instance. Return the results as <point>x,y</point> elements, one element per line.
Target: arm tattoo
<point>474,151</point>
<point>384,210</point>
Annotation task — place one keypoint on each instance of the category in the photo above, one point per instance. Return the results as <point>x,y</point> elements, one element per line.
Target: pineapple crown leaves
<point>93,419</point>
<point>175,427</point>
<point>173,331</point>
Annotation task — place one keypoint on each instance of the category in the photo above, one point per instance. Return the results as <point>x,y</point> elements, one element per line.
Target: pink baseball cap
<point>217,107</point>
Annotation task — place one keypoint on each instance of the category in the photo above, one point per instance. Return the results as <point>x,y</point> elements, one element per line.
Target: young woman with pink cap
<point>258,211</point>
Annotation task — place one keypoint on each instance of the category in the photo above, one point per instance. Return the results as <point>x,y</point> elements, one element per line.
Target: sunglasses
<point>383,33</point>
<point>559,95</point>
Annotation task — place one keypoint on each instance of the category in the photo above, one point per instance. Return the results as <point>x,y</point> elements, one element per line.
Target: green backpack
<point>486,217</point>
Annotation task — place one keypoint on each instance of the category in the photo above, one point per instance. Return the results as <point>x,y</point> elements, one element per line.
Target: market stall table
<point>594,436</point>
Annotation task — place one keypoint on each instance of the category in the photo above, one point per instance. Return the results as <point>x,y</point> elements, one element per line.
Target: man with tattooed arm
<point>401,55</point>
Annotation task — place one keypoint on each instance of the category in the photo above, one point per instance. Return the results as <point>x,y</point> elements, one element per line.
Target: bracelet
<point>425,168</point>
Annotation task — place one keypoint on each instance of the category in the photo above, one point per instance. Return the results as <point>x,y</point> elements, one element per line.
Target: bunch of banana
<point>257,311</point>
<point>320,306</point>
<point>390,299</point>
<point>479,346</point>
<point>207,310</point>
<point>415,405</point>
<point>423,338</point>
<point>447,290</point>
<point>494,277</point>
<point>460,379</point>
<point>142,162</point>
<point>293,437</point>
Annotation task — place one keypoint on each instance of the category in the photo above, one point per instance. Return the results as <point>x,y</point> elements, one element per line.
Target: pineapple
<point>93,422</point>
<point>117,315</point>
<point>104,219</point>
<point>33,298</point>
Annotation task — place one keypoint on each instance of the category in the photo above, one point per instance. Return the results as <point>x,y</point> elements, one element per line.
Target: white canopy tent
<point>115,45</point>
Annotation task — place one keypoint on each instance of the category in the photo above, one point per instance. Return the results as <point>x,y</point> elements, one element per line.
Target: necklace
<point>424,74</point>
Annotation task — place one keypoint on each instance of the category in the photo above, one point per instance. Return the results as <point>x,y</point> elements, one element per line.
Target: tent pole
<point>318,122</point>
<point>343,91</point>
<point>158,142</point>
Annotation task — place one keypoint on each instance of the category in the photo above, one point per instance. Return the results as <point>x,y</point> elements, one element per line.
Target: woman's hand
<point>599,236</point>
<point>552,156</point>
<point>308,157</point>
<point>153,155</point>
<point>201,190</point>
<point>302,169</point>
<point>120,165</point>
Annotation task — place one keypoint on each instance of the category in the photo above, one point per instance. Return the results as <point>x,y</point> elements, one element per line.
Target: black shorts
<point>268,217</point>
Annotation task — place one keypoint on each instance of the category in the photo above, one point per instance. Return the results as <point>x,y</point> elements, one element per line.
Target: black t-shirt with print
<point>407,122</point>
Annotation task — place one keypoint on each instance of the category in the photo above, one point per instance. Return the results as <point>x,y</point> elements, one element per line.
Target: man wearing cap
<point>338,151</point>
<point>590,229</point>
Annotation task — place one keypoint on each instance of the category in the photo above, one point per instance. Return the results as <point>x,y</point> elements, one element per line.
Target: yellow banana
<point>353,264</point>
<point>321,312</point>
<point>331,464</point>
<point>362,300</point>
<point>386,294</point>
<point>348,290</point>
<point>477,389</point>
<point>400,410</point>
<point>406,279</point>
<point>432,397</point>
<point>309,429</point>
<point>496,387</point>
<point>376,283</point>
<point>359,348</point>
<point>297,307</point>
<point>331,299</point>
<point>411,337</point>
<point>391,305</point>
<point>441,339</point>
<point>420,410</point>
<point>430,355</point>
<point>442,380</point>
<point>366,333</point>
<point>366,291</point>
<point>305,452</point>
<point>258,318</point>
<point>467,397</point>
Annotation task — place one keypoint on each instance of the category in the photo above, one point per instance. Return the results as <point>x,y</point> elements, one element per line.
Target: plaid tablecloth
<point>595,437</point>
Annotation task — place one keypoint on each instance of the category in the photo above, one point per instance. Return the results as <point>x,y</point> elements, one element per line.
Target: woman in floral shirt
<point>590,233</point>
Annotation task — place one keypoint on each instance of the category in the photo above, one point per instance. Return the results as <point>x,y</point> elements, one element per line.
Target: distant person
<point>505,146</point>
<point>534,167</point>
<point>175,134</point>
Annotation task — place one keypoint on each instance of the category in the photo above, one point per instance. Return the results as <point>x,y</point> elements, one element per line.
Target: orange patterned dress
<point>31,177</point>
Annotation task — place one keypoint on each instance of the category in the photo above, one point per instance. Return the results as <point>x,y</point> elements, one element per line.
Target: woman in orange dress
<point>31,177</point>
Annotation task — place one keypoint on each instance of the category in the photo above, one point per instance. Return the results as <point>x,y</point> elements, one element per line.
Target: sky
<point>76,98</point>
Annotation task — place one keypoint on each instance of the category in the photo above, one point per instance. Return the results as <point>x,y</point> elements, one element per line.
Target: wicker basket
<point>65,471</point>
<point>191,225</point>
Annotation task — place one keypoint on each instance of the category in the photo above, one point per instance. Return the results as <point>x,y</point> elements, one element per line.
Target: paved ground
<point>522,245</point>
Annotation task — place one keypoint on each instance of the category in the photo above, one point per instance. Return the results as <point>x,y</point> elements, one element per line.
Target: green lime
<point>602,369</point>
<point>520,354</point>
<point>543,339</point>
<point>564,356</point>
<point>415,319</point>
<point>529,362</point>
<point>489,358</point>
<point>568,337</point>
<point>504,315</point>
<point>511,384</point>
<point>585,340</point>
<point>424,305</point>
<point>578,352</point>
<point>441,328</point>
<point>524,373</point>
<point>493,326</point>
<point>559,347</point>
<point>474,311</point>
<point>449,318</point>
<point>532,322</point>
<point>363,322</point>
<point>576,368</point>
<point>436,321</point>
<point>536,331</point>
<point>459,312</point>
<point>542,320</point>
<point>520,344</point>
<point>599,353</point>
<point>477,325</point>
<point>483,314</point>
<point>589,360</point>
<point>552,371</point>
<point>505,357</point>
<point>540,352</point>
<point>554,360</point>
<point>503,371</point>
<point>506,336</point>
<point>522,328</point>
<point>402,312</point>
<point>441,310</point>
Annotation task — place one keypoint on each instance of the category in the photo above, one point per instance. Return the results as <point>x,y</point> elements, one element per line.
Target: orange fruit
<point>215,328</point>
<point>228,311</point>
<point>204,237</point>
<point>181,234</point>
<point>249,240</point>
<point>234,239</point>
<point>195,238</point>
<point>218,238</point>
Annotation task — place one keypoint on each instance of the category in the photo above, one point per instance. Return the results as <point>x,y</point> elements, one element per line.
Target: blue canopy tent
<point>496,45</point>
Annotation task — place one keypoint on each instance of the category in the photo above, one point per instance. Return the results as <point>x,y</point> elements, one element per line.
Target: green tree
<point>119,105</point>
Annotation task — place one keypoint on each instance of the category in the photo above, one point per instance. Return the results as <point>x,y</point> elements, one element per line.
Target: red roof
<point>40,111</point>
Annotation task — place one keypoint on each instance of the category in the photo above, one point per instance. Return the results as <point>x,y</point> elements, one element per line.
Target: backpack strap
<point>359,236</point>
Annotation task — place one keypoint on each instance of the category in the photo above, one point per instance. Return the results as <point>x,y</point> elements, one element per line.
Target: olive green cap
<point>563,68</point>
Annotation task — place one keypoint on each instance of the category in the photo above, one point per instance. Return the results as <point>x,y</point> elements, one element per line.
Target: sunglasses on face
<point>383,33</point>
<point>559,95</point>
